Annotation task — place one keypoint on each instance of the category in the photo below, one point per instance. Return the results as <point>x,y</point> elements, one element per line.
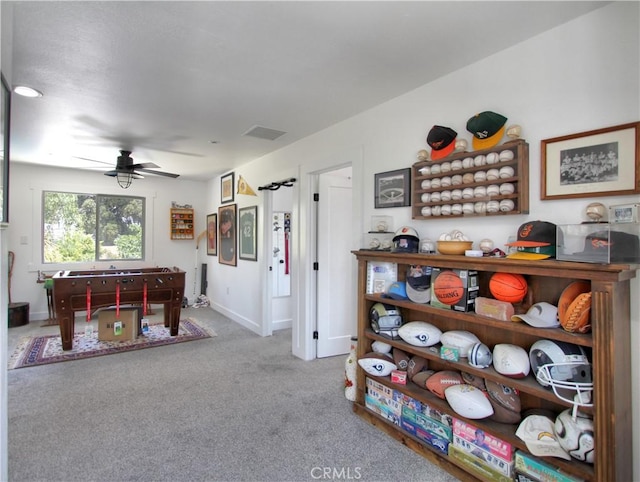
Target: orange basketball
<point>448,288</point>
<point>508,287</point>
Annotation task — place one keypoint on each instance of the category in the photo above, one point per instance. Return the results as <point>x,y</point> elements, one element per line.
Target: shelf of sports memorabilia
<point>599,242</point>
<point>182,223</point>
<point>489,182</point>
<point>428,424</point>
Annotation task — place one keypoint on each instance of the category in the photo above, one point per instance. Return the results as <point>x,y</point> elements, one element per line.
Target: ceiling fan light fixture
<point>25,91</point>
<point>124,179</point>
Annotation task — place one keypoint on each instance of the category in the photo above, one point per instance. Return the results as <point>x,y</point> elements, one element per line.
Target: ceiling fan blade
<point>144,165</point>
<point>93,160</point>
<point>115,172</point>
<point>160,173</point>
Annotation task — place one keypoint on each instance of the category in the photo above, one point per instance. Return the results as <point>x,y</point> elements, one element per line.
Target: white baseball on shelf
<point>506,172</point>
<point>480,191</point>
<point>435,169</point>
<point>493,174</point>
<point>507,188</point>
<point>423,155</point>
<point>479,160</point>
<point>506,155</point>
<point>493,206</point>
<point>456,208</point>
<point>445,195</point>
<point>456,194</point>
<point>467,162</point>
<point>467,208</point>
<point>486,245</point>
<point>425,171</point>
<point>426,197</point>
<point>445,166</point>
<point>456,165</point>
<point>493,158</point>
<point>456,179</point>
<point>436,210</point>
<point>445,181</point>
<point>493,190</point>
<point>506,205</point>
<point>467,193</point>
<point>467,178</point>
<point>480,176</point>
<point>426,211</point>
<point>446,210</point>
<point>426,184</point>
<point>480,207</point>
<point>435,183</point>
<point>435,197</point>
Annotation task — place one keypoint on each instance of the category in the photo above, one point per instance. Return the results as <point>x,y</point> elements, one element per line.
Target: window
<point>91,227</point>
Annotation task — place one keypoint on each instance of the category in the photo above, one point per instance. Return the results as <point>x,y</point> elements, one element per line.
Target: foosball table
<point>86,290</point>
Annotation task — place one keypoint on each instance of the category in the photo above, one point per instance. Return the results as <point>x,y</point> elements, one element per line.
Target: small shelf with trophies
<point>182,225</point>
<point>488,182</point>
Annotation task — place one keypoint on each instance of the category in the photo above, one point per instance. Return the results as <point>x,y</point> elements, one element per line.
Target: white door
<point>336,320</point>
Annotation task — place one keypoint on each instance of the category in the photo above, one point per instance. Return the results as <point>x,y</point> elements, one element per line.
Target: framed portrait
<point>226,188</point>
<point>5,116</point>
<point>212,234</point>
<point>602,162</point>
<point>393,188</point>
<point>227,230</point>
<point>248,233</point>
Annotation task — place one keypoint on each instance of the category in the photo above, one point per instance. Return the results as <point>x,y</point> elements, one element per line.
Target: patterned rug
<point>41,350</point>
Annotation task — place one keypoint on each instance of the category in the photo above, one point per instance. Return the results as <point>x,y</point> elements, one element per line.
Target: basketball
<point>508,287</point>
<point>448,288</point>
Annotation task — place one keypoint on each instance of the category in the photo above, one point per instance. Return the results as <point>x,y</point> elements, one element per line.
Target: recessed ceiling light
<point>25,91</point>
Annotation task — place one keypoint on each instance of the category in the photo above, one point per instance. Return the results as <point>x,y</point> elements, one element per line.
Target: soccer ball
<point>576,435</point>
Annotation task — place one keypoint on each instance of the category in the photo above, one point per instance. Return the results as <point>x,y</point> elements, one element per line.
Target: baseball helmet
<point>385,320</point>
<point>565,368</point>
<point>406,240</point>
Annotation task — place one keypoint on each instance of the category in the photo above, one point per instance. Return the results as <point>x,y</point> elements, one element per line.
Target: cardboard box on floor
<point>121,328</point>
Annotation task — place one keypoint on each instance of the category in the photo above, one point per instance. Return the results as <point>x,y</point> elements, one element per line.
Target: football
<point>506,396</point>
<point>440,381</point>
<point>511,360</point>
<point>576,435</point>
<point>416,365</point>
<point>421,378</point>
<point>401,359</point>
<point>380,347</point>
<point>503,415</point>
<point>468,401</point>
<point>377,364</point>
<point>474,380</point>
<point>420,333</point>
<point>459,339</point>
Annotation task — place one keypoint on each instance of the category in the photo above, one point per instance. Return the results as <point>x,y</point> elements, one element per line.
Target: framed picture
<point>227,234</point>
<point>393,188</point>
<point>5,116</point>
<point>248,233</point>
<point>603,162</point>
<point>226,188</point>
<point>212,234</point>
<point>624,213</point>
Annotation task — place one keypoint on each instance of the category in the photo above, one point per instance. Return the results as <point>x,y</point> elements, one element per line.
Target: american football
<point>440,381</point>
<point>511,360</point>
<point>381,347</point>
<point>459,339</point>
<point>421,378</point>
<point>401,359</point>
<point>416,365</point>
<point>471,379</point>
<point>377,364</point>
<point>468,401</point>
<point>506,396</point>
<point>503,415</point>
<point>420,333</point>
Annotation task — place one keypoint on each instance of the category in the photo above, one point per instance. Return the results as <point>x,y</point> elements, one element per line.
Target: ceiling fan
<point>125,170</point>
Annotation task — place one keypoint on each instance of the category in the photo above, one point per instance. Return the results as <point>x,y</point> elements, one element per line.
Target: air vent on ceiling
<point>264,133</point>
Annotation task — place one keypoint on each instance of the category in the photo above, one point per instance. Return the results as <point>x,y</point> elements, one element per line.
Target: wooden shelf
<point>182,223</point>
<point>608,343</point>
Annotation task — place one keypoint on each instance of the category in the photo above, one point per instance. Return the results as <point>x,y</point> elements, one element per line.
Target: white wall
<point>25,227</point>
<point>580,76</point>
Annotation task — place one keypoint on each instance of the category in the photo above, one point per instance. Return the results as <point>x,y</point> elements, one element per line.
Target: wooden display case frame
<point>520,180</point>
<point>182,223</point>
<point>609,344</point>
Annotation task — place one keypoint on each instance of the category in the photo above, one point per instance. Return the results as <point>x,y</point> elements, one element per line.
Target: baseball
<point>423,155</point>
<point>480,207</point>
<point>426,197</point>
<point>456,194</point>
<point>461,145</point>
<point>445,166</point>
<point>467,162</point>
<point>456,165</point>
<point>446,210</point>
<point>493,206</point>
<point>426,184</point>
<point>596,211</point>
<point>467,178</point>
<point>456,179</point>
<point>425,171</point>
<point>480,191</point>
<point>445,181</point>
<point>436,211</point>
<point>467,193</point>
<point>506,171</point>
<point>480,176</point>
<point>435,197</point>
<point>493,190</point>
<point>493,174</point>
<point>506,205</point>
<point>435,183</point>
<point>456,209</point>
<point>486,245</point>
<point>445,195</point>
<point>479,160</point>
<point>493,158</point>
<point>435,169</point>
<point>507,188</point>
<point>467,208</point>
<point>426,211</point>
<point>374,243</point>
<point>506,155</point>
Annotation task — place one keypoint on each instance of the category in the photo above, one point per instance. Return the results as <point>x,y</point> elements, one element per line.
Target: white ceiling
<point>164,79</point>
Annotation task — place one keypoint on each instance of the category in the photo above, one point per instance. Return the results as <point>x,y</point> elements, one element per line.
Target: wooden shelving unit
<point>609,344</point>
<point>182,223</point>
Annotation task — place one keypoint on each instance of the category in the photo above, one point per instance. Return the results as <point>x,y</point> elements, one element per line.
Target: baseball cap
<point>536,240</point>
<point>537,432</point>
<point>442,141</point>
<point>620,246</point>
<point>487,128</point>
<point>540,315</point>
<point>419,283</point>
<point>397,291</point>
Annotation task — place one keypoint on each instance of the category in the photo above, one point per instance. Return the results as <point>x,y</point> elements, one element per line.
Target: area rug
<point>41,350</point>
